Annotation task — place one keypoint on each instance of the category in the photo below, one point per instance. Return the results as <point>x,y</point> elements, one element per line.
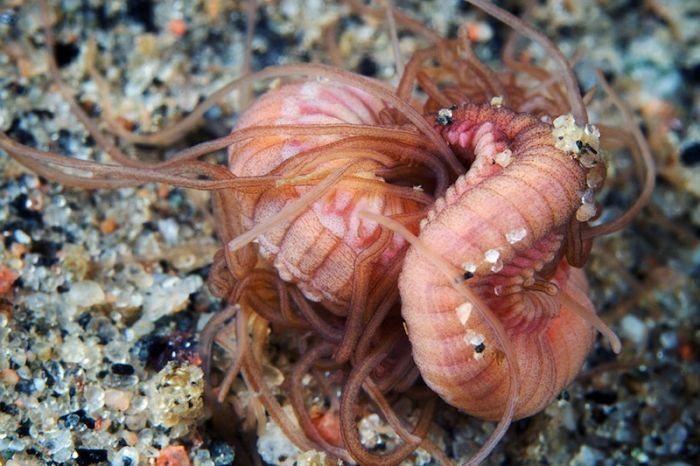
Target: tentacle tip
<point>237,243</point>
<point>232,246</point>
<point>615,344</point>
<point>366,214</point>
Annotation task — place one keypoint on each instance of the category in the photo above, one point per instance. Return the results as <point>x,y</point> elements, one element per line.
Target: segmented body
<point>318,248</point>
<point>506,233</point>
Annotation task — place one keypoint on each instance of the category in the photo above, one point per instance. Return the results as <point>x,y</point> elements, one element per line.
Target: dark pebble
<point>141,11</point>
<point>106,332</point>
<point>54,371</point>
<point>47,250</point>
<point>222,454</point>
<point>25,386</point>
<point>90,456</point>
<point>23,429</point>
<point>84,319</point>
<point>8,17</point>
<point>26,225</point>
<point>8,409</point>
<point>89,422</point>
<point>17,89</point>
<point>185,321</point>
<point>367,66</point>
<point>690,155</point>
<point>598,415</point>
<point>20,135</point>
<point>522,425</point>
<point>65,53</point>
<point>71,421</point>
<point>20,204</point>
<point>103,18</point>
<point>692,73</point>
<point>276,43</point>
<point>42,113</point>
<point>149,226</point>
<point>64,140</point>
<point>141,350</point>
<point>602,397</point>
<point>156,351</point>
<point>122,369</point>
<point>84,418</point>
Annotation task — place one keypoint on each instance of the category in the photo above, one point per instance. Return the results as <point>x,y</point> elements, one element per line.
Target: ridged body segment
<point>506,230</point>
<point>318,248</point>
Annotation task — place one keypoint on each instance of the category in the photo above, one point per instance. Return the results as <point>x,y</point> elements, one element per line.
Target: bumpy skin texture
<point>487,210</point>
<point>317,250</point>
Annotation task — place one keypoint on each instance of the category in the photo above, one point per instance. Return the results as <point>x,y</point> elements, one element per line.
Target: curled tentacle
<point>349,430</point>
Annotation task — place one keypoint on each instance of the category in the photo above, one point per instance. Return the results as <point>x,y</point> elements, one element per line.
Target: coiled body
<point>318,248</point>
<point>506,233</point>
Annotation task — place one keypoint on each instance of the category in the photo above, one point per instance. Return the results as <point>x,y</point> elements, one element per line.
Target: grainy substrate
<point>98,332</point>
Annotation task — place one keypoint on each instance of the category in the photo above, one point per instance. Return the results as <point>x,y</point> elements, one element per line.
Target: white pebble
<point>85,294</point>
<point>118,399</point>
<point>594,179</point>
<point>473,338</point>
<point>585,212</point>
<point>273,443</point>
<point>21,237</point>
<point>126,456</point>
<point>469,267</point>
<point>491,256</point>
<point>497,266</point>
<point>94,398</point>
<point>504,158</point>
<point>464,310</point>
<point>587,456</point>
<point>169,229</point>
<point>516,235</point>
<point>633,328</point>
<point>669,340</point>
<point>566,133</point>
<point>73,350</point>
<point>445,113</point>
<point>588,197</point>
<point>311,458</point>
<point>169,297</point>
<point>63,455</point>
<point>58,442</point>
<point>591,136</point>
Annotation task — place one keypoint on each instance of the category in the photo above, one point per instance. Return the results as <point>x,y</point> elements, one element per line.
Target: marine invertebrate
<point>507,341</point>
<point>511,251</point>
<point>362,313</point>
<point>316,248</point>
